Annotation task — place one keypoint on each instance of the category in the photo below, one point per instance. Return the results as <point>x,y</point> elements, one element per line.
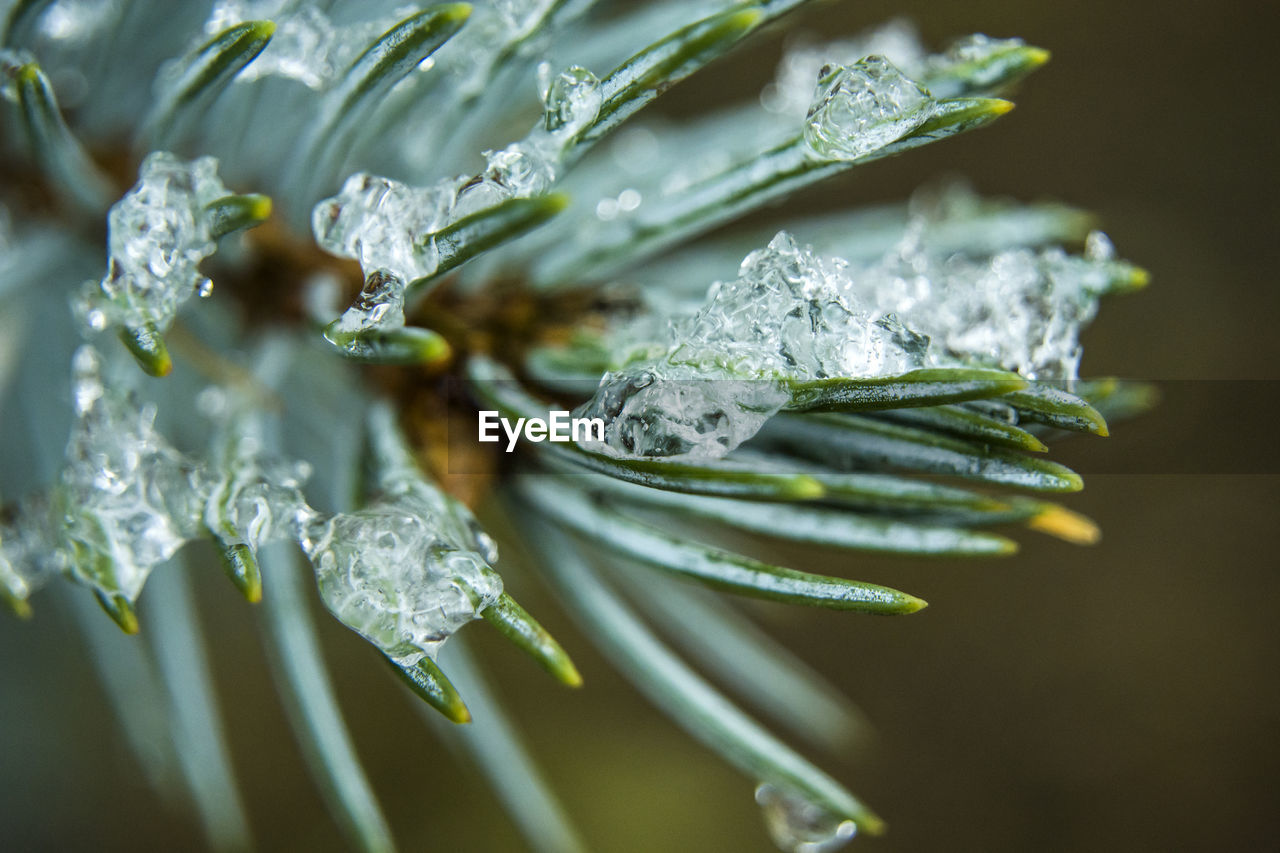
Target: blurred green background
<point>1121,697</point>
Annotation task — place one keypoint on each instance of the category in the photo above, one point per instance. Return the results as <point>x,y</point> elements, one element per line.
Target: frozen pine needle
<point>517,227</point>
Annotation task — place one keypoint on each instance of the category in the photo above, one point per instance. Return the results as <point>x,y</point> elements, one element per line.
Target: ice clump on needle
<point>791,91</point>
<point>800,826</point>
<point>156,237</point>
<point>307,46</point>
<point>391,228</point>
<point>718,374</point>
<point>251,496</point>
<point>1021,309</point>
<point>862,107</point>
<point>406,572</point>
<point>898,42</point>
<point>401,574</point>
<point>128,499</point>
<point>410,569</point>
<point>27,560</point>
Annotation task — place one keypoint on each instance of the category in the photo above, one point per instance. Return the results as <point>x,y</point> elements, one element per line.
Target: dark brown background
<point>1123,697</point>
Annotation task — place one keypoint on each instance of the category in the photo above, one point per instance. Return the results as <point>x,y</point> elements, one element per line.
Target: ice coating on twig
<point>410,569</point>
<point>390,227</point>
<point>799,826</point>
<point>862,107</point>
<point>156,237</point>
<point>717,376</point>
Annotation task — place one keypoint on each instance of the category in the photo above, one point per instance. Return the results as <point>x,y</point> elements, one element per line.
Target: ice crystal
<point>862,107</point>
<point>405,572</point>
<point>156,236</point>
<point>714,381</point>
<point>799,826</point>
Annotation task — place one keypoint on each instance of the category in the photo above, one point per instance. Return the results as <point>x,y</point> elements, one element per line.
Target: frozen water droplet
<point>572,101</point>
<point>380,305</point>
<point>800,826</point>
<point>1019,309</point>
<point>863,107</point>
<point>607,209</point>
<point>31,552</point>
<point>205,288</point>
<point>976,57</point>
<point>978,48</point>
<point>792,90</point>
<point>251,497</point>
<point>518,171</point>
<point>518,15</point>
<point>1098,247</point>
<point>212,402</point>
